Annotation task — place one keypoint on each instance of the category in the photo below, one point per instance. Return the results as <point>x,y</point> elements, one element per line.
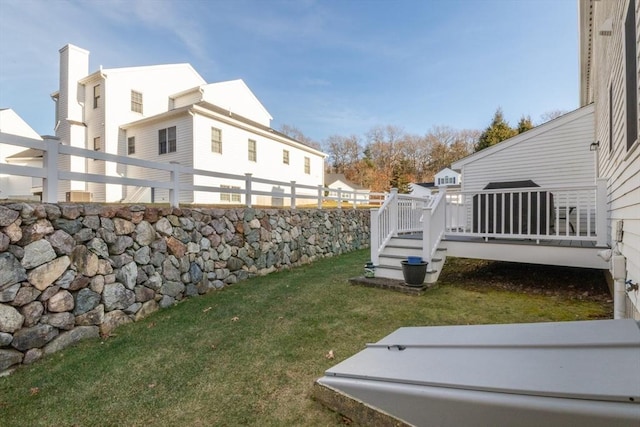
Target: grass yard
<point>248,355</point>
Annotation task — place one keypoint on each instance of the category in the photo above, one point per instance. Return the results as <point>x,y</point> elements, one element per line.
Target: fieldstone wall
<point>72,271</point>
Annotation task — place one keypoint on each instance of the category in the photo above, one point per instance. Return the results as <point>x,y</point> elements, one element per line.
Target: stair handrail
<point>384,225</point>
<point>135,195</point>
<point>433,223</point>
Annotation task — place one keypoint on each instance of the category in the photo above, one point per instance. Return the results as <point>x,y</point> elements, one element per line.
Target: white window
<point>131,145</point>
<point>216,140</point>
<point>230,197</point>
<point>96,96</point>
<point>136,101</point>
<point>97,144</point>
<point>253,153</point>
<point>285,157</point>
<point>167,140</point>
<point>307,165</point>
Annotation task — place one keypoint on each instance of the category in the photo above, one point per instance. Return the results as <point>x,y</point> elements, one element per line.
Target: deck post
<point>393,211</point>
<point>601,212</point>
<point>374,231</point>
<point>50,163</point>
<point>426,234</point>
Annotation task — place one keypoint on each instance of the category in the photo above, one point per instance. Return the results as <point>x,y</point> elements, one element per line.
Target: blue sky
<point>325,66</point>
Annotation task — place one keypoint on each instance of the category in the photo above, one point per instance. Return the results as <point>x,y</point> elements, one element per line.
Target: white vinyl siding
<point>555,157</point>
<point>621,166</point>
<point>147,148</point>
<point>234,160</point>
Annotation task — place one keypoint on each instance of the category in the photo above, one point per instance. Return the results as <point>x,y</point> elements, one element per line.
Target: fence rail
<point>51,177</point>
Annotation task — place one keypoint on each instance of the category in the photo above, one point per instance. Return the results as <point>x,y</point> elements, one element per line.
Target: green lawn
<point>248,355</point>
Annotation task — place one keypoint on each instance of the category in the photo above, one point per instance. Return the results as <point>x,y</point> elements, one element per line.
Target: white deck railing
<point>399,214</point>
<point>550,213</point>
<point>558,213</point>
<point>433,227</point>
<point>49,176</point>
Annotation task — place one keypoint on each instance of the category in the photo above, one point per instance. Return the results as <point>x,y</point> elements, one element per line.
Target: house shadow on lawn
<point>567,282</point>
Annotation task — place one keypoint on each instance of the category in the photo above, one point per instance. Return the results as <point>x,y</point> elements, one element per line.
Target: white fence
<point>247,186</point>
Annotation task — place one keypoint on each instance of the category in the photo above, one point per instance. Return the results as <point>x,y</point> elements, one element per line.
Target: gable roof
<point>330,178</point>
<point>525,136</point>
<point>140,69</point>
<point>235,93</point>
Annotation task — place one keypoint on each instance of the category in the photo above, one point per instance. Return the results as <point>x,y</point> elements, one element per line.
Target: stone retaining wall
<point>72,271</point>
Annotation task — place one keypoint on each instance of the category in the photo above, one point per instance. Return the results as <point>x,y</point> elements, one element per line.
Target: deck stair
<point>398,249</point>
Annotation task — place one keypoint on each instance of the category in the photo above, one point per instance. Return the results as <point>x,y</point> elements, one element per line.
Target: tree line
<point>386,156</point>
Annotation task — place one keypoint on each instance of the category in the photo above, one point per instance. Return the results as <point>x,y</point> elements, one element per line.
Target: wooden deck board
<point>471,239</point>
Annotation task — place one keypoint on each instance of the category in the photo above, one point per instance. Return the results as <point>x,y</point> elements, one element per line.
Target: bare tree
<point>550,115</point>
<point>295,133</point>
<point>343,152</point>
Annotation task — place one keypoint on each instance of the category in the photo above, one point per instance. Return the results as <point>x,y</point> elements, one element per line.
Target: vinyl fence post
<point>174,191</point>
<point>339,197</point>
<point>247,189</point>
<point>320,190</point>
<point>50,164</point>
<point>293,194</point>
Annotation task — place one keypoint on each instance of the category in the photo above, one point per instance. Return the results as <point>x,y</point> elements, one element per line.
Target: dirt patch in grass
<point>566,282</point>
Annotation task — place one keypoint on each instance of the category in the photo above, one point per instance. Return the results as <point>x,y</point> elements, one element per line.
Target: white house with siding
<point>609,70</point>
<point>17,187</point>
<point>446,177</point>
<point>168,113</point>
<point>564,193</point>
<point>554,154</point>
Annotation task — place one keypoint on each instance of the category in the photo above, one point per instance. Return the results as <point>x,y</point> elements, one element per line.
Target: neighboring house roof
<point>236,94</point>
<point>525,136</point>
<point>29,153</point>
<point>331,178</point>
<point>425,184</point>
<point>447,171</point>
<point>143,69</point>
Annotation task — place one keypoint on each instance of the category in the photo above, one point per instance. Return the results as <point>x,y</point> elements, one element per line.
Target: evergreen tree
<point>498,131</point>
<point>525,124</point>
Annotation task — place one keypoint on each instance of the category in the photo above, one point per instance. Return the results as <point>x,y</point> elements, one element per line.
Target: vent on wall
<point>606,29</point>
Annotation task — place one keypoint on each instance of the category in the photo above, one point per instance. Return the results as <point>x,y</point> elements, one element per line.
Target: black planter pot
<point>414,273</point>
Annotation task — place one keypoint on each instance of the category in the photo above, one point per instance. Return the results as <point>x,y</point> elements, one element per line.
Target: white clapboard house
<point>168,113</point>
<point>566,192</point>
